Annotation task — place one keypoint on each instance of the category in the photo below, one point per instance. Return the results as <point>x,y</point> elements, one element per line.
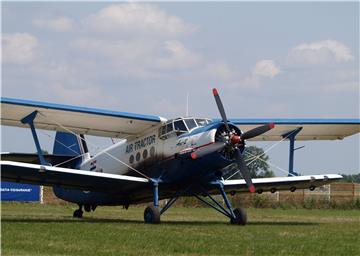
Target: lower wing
<point>69,178</point>
<point>281,183</point>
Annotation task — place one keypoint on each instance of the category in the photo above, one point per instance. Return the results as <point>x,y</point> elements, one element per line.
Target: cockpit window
<point>201,122</point>
<point>180,126</point>
<point>190,123</point>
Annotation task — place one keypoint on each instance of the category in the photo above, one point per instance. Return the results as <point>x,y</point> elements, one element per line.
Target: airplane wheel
<point>78,213</point>
<point>241,217</point>
<point>152,215</point>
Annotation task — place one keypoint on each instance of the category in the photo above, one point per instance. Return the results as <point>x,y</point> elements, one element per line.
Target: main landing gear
<point>152,215</point>
<point>152,212</point>
<point>240,217</point>
<point>237,216</point>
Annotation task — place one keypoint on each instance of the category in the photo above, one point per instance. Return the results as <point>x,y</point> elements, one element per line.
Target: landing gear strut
<point>78,213</point>
<point>237,216</point>
<point>152,213</point>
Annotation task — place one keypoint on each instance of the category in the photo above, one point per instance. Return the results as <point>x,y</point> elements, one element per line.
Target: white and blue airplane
<point>156,158</point>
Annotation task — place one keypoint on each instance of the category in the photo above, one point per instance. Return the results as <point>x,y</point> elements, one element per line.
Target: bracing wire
<point>265,151</point>
<point>268,162</point>
<point>107,153</point>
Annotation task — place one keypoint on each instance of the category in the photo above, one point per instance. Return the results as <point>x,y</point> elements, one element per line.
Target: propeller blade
<point>244,170</point>
<point>208,149</point>
<point>221,108</point>
<point>257,131</point>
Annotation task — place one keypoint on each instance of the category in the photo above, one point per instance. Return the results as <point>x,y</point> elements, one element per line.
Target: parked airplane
<point>156,158</point>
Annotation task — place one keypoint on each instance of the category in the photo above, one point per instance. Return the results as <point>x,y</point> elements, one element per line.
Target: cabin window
<point>169,127</point>
<point>131,159</point>
<point>138,156</point>
<point>145,154</point>
<point>165,130</point>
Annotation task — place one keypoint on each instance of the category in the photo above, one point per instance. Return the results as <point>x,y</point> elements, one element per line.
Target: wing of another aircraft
<point>281,183</point>
<point>69,178</point>
<point>312,129</point>
<point>80,120</point>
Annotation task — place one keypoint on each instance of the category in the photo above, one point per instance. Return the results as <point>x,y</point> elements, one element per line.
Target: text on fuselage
<point>142,143</point>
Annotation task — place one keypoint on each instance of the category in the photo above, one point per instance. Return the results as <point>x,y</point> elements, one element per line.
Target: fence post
<point>353,191</point>
<point>303,195</point>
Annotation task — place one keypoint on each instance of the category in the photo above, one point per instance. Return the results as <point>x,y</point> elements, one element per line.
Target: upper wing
<point>312,129</point>
<point>69,178</point>
<point>77,119</point>
<point>281,183</point>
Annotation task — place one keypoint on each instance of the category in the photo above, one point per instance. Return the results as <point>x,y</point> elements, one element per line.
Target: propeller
<point>244,170</point>
<point>235,140</point>
<point>208,149</point>
<point>257,131</point>
<point>221,109</point>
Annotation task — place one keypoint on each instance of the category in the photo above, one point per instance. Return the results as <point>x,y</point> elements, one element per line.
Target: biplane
<point>156,158</point>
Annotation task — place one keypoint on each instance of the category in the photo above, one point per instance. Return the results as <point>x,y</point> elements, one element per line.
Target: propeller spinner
<point>235,140</point>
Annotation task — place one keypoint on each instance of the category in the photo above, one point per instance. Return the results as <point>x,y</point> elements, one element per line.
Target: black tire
<point>152,215</point>
<point>87,207</point>
<point>241,217</point>
<point>78,213</point>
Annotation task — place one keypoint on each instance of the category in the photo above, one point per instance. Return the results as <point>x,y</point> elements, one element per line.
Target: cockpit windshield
<point>179,126</point>
<point>190,123</point>
<point>202,122</point>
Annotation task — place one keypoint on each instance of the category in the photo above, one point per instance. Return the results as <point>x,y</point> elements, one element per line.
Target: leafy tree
<point>259,168</point>
<point>351,178</point>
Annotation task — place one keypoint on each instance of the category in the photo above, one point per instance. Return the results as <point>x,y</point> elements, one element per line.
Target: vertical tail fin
<point>69,144</point>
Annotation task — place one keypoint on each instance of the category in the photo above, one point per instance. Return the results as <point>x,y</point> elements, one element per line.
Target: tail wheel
<point>78,213</point>
<point>240,217</point>
<point>87,207</point>
<point>152,215</point>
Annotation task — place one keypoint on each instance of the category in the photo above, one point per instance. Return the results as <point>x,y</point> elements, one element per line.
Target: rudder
<point>69,144</point>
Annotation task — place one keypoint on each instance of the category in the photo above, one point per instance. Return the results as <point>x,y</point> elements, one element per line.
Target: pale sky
<point>268,60</point>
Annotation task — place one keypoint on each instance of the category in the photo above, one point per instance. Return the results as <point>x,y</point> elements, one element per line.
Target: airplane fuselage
<point>153,152</point>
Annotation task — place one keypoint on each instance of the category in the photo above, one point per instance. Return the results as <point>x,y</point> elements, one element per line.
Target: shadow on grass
<point>123,221</point>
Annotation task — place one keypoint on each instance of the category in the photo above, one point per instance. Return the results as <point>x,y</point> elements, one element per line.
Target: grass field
<point>33,229</point>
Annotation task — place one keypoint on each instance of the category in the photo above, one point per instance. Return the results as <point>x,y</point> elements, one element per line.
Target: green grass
<point>33,229</point>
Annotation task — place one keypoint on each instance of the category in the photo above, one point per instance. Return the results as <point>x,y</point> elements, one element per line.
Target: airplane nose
<point>235,139</point>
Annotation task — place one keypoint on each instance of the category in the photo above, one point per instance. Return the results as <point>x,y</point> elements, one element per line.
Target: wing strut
<point>291,136</point>
<point>29,119</point>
